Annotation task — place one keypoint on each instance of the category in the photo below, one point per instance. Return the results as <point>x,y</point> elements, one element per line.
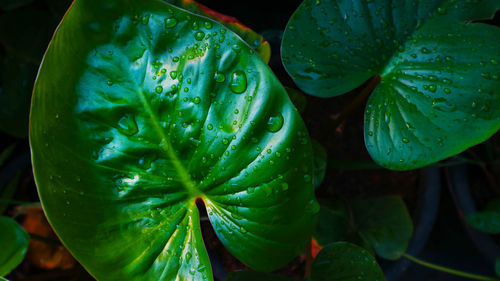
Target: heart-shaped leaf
<point>439,77</point>
<point>14,244</point>
<point>253,39</point>
<point>381,223</point>
<point>487,220</point>
<point>141,109</point>
<point>343,261</point>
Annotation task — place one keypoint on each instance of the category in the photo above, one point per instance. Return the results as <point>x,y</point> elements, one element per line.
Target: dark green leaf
<point>384,223</point>
<point>140,109</point>
<point>8,192</point>
<point>319,160</point>
<point>381,223</point>
<point>343,261</point>
<point>437,96</point>
<point>6,153</point>
<point>253,39</point>
<point>16,83</point>
<point>247,275</point>
<point>298,99</point>
<point>333,223</point>
<point>487,220</point>
<point>14,244</point>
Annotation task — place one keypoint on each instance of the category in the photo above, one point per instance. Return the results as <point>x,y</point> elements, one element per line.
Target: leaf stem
<point>449,270</point>
<point>358,101</point>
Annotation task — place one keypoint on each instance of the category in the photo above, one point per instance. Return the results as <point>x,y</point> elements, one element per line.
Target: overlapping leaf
<point>141,109</point>
<point>13,242</point>
<point>439,77</point>
<point>253,39</point>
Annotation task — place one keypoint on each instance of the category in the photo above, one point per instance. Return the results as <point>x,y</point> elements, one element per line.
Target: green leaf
<point>437,96</point>
<point>16,83</point>
<point>381,223</point>
<point>253,39</point>
<point>8,192</point>
<point>384,223</point>
<point>487,220</point>
<point>14,244</point>
<point>333,223</point>
<point>343,261</point>
<point>319,161</point>
<point>136,116</point>
<point>298,98</point>
<point>247,275</point>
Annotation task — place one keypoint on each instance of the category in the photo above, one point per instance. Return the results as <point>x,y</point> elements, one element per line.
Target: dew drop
<point>159,89</point>
<point>405,140</point>
<point>238,82</point>
<point>170,22</point>
<point>219,77</point>
<point>199,35</point>
<point>197,100</point>
<point>275,123</point>
<point>127,125</point>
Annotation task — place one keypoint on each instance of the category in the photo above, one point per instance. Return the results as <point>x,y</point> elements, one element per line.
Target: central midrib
<point>167,149</point>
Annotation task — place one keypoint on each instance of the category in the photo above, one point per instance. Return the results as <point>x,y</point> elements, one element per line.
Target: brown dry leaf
<point>49,254</point>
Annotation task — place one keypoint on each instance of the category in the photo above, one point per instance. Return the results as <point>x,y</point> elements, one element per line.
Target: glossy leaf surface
<point>343,261</point>
<point>253,39</point>
<point>487,220</point>
<point>13,242</point>
<point>139,110</point>
<point>381,223</point>
<point>438,75</point>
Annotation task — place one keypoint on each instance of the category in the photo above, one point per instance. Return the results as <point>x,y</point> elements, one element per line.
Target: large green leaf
<point>439,77</point>
<point>136,116</point>
<point>487,220</point>
<point>14,244</point>
<point>255,40</point>
<point>381,223</point>
<point>343,261</point>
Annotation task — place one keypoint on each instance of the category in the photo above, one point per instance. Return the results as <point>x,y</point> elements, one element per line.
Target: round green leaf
<point>343,261</point>
<point>253,39</point>
<point>437,94</point>
<point>487,220</point>
<point>139,110</point>
<point>14,244</point>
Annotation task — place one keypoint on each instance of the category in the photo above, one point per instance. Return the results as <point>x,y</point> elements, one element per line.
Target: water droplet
<point>197,100</point>
<point>238,82</point>
<point>219,77</point>
<point>159,89</point>
<point>127,125</point>
<point>275,123</point>
<point>208,25</point>
<point>199,35</point>
<point>424,50</point>
<point>447,91</point>
<point>210,127</point>
<point>405,140</point>
<point>173,74</point>
<point>170,22</point>
<point>370,133</point>
<point>494,61</point>
<point>109,82</point>
<point>441,10</point>
<point>145,19</point>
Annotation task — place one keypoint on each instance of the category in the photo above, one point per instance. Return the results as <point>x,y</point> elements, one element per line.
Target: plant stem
<point>449,270</point>
<point>358,101</point>
<point>309,259</point>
